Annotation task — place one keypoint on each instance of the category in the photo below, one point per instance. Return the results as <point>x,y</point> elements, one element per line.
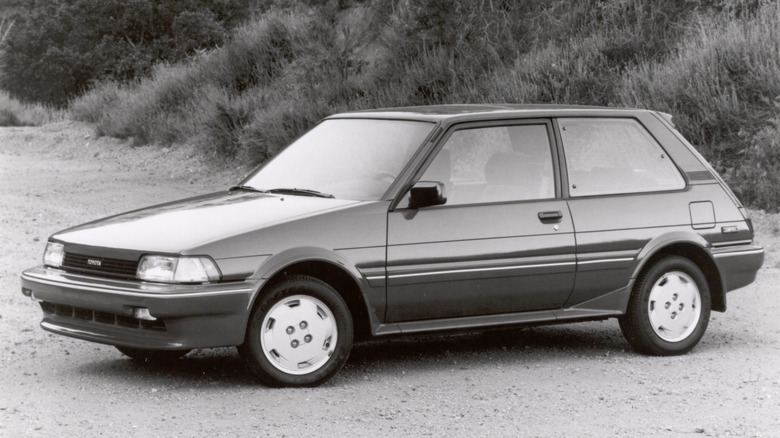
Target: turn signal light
<point>143,313</point>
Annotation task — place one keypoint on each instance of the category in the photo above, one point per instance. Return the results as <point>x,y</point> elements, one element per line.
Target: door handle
<point>550,215</point>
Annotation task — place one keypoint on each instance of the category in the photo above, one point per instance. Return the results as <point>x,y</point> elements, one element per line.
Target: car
<point>412,220</point>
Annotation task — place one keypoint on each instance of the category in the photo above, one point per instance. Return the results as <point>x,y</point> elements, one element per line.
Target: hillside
<point>713,64</point>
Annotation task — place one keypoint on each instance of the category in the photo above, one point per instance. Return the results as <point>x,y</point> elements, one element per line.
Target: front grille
<point>81,314</point>
<point>102,266</point>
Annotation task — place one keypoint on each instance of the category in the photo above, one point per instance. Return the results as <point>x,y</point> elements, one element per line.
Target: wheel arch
<point>330,268</point>
<point>694,249</point>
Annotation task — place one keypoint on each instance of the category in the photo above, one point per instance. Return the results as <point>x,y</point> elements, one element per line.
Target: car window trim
<point>399,186</point>
<point>440,140</point>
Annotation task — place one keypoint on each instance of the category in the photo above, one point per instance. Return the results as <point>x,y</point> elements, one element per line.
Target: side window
<point>612,156</point>
<point>505,163</point>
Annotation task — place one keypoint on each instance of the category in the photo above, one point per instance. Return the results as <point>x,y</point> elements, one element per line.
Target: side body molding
<point>617,300</point>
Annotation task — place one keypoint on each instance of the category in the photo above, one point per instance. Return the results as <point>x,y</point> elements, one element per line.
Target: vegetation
<point>15,113</point>
<point>58,48</point>
<point>713,64</point>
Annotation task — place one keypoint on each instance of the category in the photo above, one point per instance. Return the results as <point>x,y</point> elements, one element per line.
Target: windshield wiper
<point>245,188</point>
<point>285,191</point>
<point>302,192</point>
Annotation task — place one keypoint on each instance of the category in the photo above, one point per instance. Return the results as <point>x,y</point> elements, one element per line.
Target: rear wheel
<point>669,309</point>
<point>299,334</point>
<point>152,356</point>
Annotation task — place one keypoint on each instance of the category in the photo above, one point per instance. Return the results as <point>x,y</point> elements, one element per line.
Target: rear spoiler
<point>667,117</point>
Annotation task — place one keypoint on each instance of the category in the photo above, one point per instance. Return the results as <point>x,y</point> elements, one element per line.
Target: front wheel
<point>299,333</point>
<point>669,309</point>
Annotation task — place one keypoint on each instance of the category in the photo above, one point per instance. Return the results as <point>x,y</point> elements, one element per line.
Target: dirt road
<point>575,380</point>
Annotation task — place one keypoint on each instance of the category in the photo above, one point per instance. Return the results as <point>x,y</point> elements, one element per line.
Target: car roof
<point>466,112</point>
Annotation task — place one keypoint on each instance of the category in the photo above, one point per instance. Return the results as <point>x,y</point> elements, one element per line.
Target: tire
<point>152,356</point>
<point>299,333</point>
<point>669,309</point>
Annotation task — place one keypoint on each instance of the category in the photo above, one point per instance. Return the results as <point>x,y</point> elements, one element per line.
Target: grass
<point>15,113</point>
<point>714,65</point>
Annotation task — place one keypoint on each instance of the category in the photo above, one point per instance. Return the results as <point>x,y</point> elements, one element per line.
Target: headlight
<point>53,254</point>
<point>178,269</point>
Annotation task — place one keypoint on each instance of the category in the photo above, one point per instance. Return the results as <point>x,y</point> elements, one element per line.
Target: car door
<point>503,242</point>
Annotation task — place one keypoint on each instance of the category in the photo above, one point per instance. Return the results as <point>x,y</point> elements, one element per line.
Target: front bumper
<point>738,264</point>
<point>102,310</point>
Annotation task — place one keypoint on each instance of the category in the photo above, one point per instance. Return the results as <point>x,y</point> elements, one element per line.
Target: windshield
<point>346,158</point>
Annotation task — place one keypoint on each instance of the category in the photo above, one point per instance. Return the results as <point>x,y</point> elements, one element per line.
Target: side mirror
<point>426,194</point>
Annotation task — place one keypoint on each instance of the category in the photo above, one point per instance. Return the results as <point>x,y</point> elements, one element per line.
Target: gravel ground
<point>579,379</point>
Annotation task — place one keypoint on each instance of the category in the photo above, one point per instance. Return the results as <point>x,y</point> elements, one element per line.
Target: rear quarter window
<point>614,156</point>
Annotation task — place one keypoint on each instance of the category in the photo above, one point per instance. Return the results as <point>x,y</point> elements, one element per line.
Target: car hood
<point>177,226</point>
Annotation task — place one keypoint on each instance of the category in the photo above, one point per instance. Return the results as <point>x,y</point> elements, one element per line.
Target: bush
<point>756,176</point>
<point>720,84</point>
<point>59,48</point>
<point>15,113</point>
<point>576,74</point>
<point>278,74</point>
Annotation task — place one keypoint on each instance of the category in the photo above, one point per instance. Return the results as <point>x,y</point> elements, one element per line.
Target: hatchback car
<point>414,220</point>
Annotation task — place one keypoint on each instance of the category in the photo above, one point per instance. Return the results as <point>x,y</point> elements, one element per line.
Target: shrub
<point>15,113</point>
<point>719,84</point>
<point>193,30</point>
<point>756,176</point>
<point>99,102</point>
<point>59,48</point>
<point>575,74</point>
<point>280,73</point>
